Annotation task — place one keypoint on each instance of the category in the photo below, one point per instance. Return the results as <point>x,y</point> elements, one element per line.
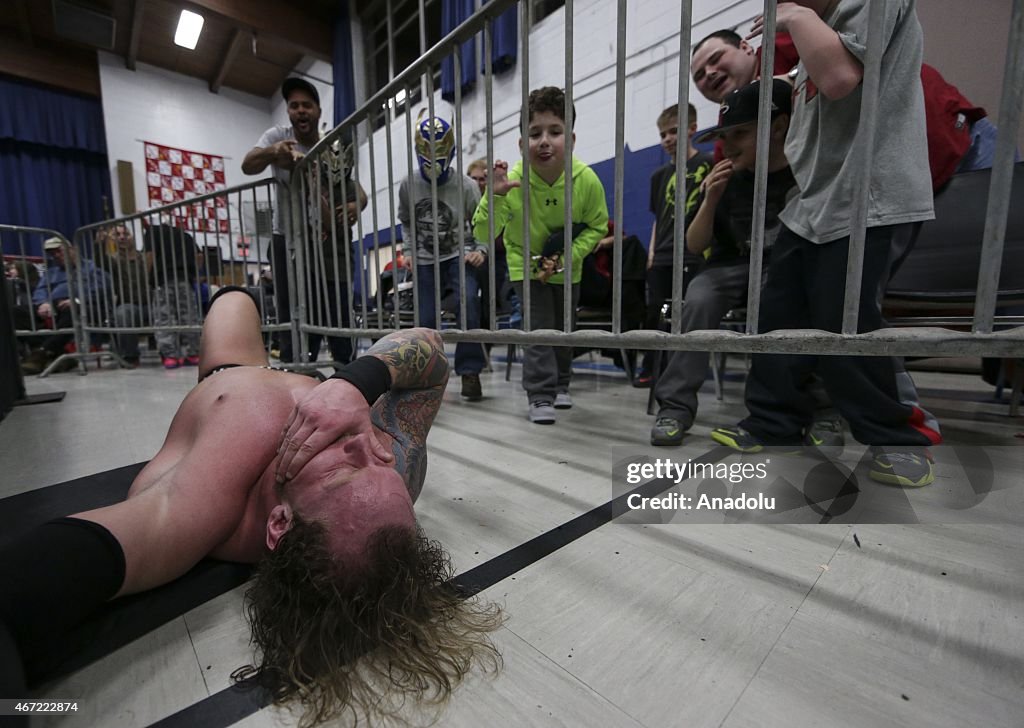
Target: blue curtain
<point>453,13</point>
<point>505,40</point>
<point>504,45</point>
<point>53,158</point>
<point>344,80</point>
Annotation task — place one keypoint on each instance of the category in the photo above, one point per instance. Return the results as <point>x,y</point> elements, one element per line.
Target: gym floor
<point>628,625</point>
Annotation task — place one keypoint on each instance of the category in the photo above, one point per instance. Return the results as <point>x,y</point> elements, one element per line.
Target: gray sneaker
<point>667,431</point>
<point>542,412</point>
<point>826,436</point>
<point>563,401</point>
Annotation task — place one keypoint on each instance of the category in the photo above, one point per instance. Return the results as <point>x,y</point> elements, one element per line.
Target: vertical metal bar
<point>620,170</point>
<point>860,168</point>
<point>389,150</point>
<point>346,232</point>
<point>363,279</point>
<point>318,273</point>
<point>333,163</point>
<point>1002,175</point>
<point>524,130</point>
<point>433,199</point>
<point>678,260</point>
<point>298,194</point>
<point>396,300</point>
<point>390,41</point>
<point>764,124</point>
<point>489,121</point>
<point>423,44</point>
<point>568,309</point>
<point>374,220</point>
<point>76,290</point>
<point>410,234</point>
<point>31,289</point>
<point>460,180</point>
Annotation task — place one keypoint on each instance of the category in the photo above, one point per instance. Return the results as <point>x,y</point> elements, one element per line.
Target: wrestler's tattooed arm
<point>419,373</point>
<point>415,358</point>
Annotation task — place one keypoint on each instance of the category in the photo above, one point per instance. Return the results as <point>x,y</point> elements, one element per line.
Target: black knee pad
<point>229,289</point>
<point>55,576</point>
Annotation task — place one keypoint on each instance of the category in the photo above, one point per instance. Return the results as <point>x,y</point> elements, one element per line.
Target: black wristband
<point>369,375</point>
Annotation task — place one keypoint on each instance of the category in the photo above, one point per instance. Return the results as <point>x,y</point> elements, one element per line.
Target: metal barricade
<point>164,263</point>
<point>329,251</point>
<point>48,293</point>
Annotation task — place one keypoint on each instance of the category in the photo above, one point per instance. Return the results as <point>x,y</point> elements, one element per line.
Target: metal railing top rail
<point>177,204</point>
<point>28,229</point>
<point>921,341</point>
<point>465,31</point>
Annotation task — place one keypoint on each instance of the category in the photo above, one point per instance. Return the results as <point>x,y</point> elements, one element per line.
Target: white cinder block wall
<point>151,104</point>
<point>652,64</point>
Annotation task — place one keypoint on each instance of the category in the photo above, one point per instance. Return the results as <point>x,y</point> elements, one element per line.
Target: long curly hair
<point>363,638</point>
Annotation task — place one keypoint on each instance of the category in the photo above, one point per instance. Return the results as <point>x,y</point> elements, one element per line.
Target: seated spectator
<point>399,260</point>
<point>597,288</point>
<point>722,225</point>
<point>130,283</point>
<point>54,296</point>
<point>22,278</point>
<point>172,260</point>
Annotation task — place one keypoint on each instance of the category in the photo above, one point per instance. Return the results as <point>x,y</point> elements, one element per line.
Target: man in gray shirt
<point>280,148</point>
<point>806,279</point>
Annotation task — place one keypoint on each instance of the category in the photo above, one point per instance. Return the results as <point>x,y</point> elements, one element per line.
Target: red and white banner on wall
<point>173,175</point>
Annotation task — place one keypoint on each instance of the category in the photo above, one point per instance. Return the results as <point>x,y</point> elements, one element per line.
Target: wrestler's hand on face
<point>329,411</point>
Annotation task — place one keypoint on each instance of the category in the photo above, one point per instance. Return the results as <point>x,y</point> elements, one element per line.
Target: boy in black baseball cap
<point>720,231</point>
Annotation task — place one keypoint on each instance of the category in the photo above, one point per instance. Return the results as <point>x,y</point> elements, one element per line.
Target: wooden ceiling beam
<point>238,39</point>
<point>272,19</point>
<point>135,34</point>
<point>68,68</point>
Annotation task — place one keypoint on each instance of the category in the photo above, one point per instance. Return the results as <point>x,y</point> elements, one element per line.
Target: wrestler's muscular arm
<point>419,372</point>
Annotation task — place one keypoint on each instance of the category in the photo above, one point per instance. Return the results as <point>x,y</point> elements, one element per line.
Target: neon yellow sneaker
<point>906,469</point>
<point>737,438</point>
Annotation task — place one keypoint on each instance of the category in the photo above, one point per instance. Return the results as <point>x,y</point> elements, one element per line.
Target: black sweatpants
<point>805,290</point>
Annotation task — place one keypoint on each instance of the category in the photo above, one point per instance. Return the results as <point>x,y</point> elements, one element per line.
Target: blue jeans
<point>469,357</point>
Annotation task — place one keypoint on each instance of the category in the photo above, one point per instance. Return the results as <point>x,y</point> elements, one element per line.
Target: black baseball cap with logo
<point>299,84</point>
<point>740,107</point>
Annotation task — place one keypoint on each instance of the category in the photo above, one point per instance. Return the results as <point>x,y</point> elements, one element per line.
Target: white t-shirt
<point>282,209</point>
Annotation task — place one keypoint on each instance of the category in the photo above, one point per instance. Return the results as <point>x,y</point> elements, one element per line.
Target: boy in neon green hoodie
<point>546,369</point>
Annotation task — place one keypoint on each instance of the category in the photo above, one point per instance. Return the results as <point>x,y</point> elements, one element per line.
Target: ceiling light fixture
<point>189,26</point>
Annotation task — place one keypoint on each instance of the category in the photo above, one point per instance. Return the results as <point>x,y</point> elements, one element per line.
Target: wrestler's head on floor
<point>352,609</point>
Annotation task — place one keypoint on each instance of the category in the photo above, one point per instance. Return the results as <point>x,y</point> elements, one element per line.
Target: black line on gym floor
<point>247,697</point>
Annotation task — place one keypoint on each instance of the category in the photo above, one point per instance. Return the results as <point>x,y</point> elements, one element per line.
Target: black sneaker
<point>643,380</point>
<point>826,437</point>
<point>905,468</point>
<point>667,431</point>
<point>471,389</point>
